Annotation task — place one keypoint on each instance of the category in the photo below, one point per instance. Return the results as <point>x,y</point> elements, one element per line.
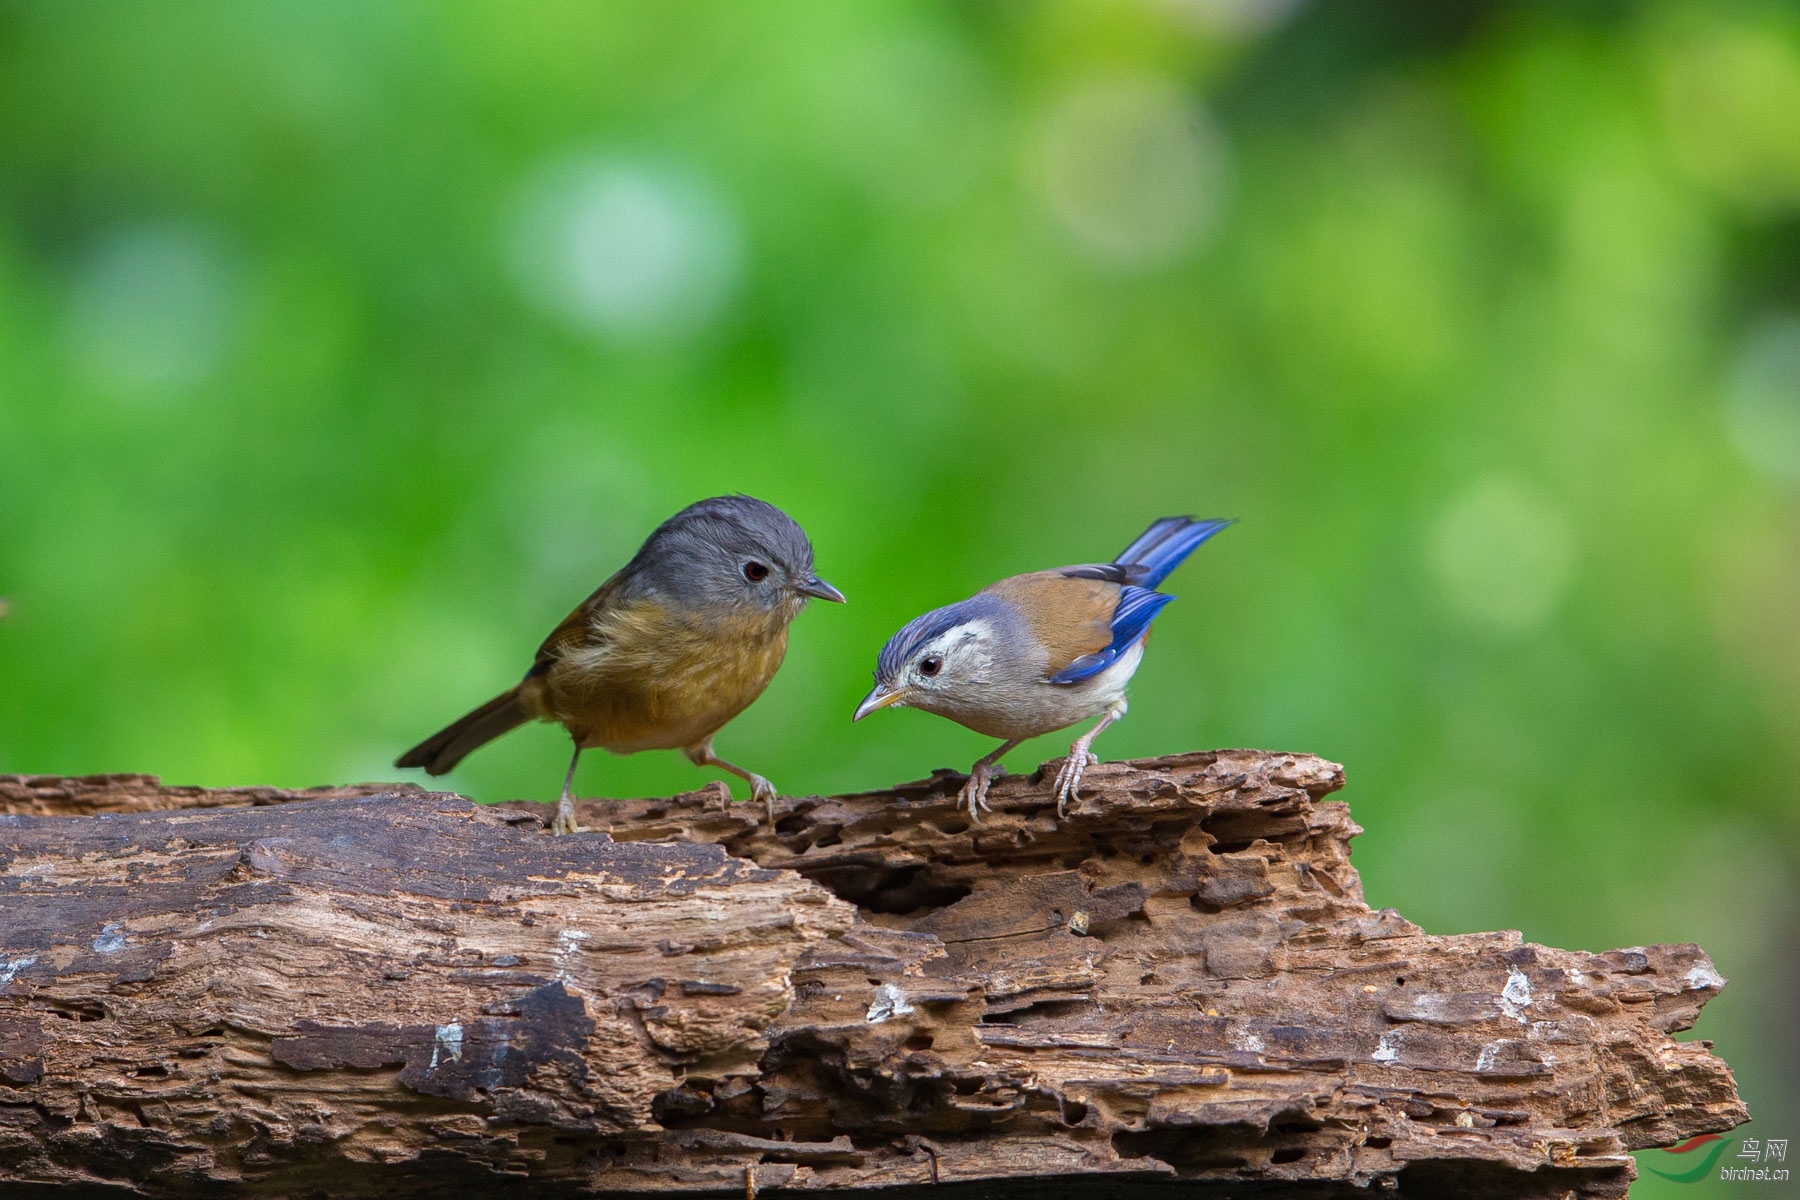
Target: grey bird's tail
<point>448,746</point>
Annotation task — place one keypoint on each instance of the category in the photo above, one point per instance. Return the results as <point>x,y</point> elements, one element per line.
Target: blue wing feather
<point>1139,567</point>
<point>1137,608</point>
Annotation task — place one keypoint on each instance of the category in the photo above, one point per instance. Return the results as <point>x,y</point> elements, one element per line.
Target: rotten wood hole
<point>381,990</point>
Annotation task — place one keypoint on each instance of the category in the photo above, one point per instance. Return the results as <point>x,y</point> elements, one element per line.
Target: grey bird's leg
<point>981,775</point>
<point>760,788</point>
<point>565,807</point>
<point>1068,777</point>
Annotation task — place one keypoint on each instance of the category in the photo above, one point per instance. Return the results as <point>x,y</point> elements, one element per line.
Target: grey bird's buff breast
<point>679,641</point>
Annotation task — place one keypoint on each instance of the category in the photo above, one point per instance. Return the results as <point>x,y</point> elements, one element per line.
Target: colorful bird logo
<point>1705,1165</point>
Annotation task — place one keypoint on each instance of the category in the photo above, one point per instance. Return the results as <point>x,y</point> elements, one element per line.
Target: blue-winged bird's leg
<point>981,775</point>
<point>565,807</point>
<point>760,788</point>
<point>1068,777</point>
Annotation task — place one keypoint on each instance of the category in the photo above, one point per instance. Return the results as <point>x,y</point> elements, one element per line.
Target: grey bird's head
<point>942,661</point>
<point>730,555</point>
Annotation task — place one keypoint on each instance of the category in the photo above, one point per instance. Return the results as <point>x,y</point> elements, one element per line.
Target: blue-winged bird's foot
<point>974,793</point>
<point>1068,778</point>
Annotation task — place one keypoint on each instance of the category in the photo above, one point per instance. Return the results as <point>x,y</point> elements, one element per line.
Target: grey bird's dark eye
<point>930,665</point>
<point>756,572</point>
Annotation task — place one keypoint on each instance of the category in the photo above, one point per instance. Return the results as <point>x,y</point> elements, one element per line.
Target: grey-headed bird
<point>665,652</point>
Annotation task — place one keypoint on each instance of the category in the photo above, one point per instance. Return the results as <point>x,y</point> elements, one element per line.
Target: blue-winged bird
<point>666,651</point>
<point>1038,652</point>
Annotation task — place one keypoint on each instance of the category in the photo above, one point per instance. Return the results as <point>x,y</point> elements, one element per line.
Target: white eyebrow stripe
<point>957,637</point>
<point>980,627</point>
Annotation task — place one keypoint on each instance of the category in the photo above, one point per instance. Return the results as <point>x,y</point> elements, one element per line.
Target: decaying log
<point>55,796</point>
<point>1177,989</point>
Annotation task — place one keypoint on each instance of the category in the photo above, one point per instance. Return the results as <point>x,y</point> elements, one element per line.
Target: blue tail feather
<point>1138,569</point>
<point>1162,547</point>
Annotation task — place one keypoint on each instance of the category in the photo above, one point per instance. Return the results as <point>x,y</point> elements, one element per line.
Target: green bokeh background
<point>344,346</point>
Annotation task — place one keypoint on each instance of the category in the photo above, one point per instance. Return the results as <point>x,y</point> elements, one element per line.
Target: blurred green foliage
<point>344,347</point>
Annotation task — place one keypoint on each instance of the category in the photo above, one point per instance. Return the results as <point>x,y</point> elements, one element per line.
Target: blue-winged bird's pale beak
<point>812,585</point>
<point>881,697</point>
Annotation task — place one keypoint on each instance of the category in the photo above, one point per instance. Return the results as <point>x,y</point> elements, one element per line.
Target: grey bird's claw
<point>762,789</point>
<point>564,821</point>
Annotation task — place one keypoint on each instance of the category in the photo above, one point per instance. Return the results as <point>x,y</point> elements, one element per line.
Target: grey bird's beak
<point>812,585</point>
<point>881,697</point>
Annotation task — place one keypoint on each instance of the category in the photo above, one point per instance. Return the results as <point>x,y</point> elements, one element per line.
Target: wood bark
<point>1177,988</point>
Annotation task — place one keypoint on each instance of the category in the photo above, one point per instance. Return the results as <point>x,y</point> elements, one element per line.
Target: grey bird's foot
<point>974,792</point>
<point>1068,777</point>
<point>762,789</point>
<point>564,821</point>
<point>702,755</point>
<point>565,805</point>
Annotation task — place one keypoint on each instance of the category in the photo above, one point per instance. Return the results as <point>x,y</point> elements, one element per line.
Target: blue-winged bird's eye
<point>931,665</point>
<point>755,572</point>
